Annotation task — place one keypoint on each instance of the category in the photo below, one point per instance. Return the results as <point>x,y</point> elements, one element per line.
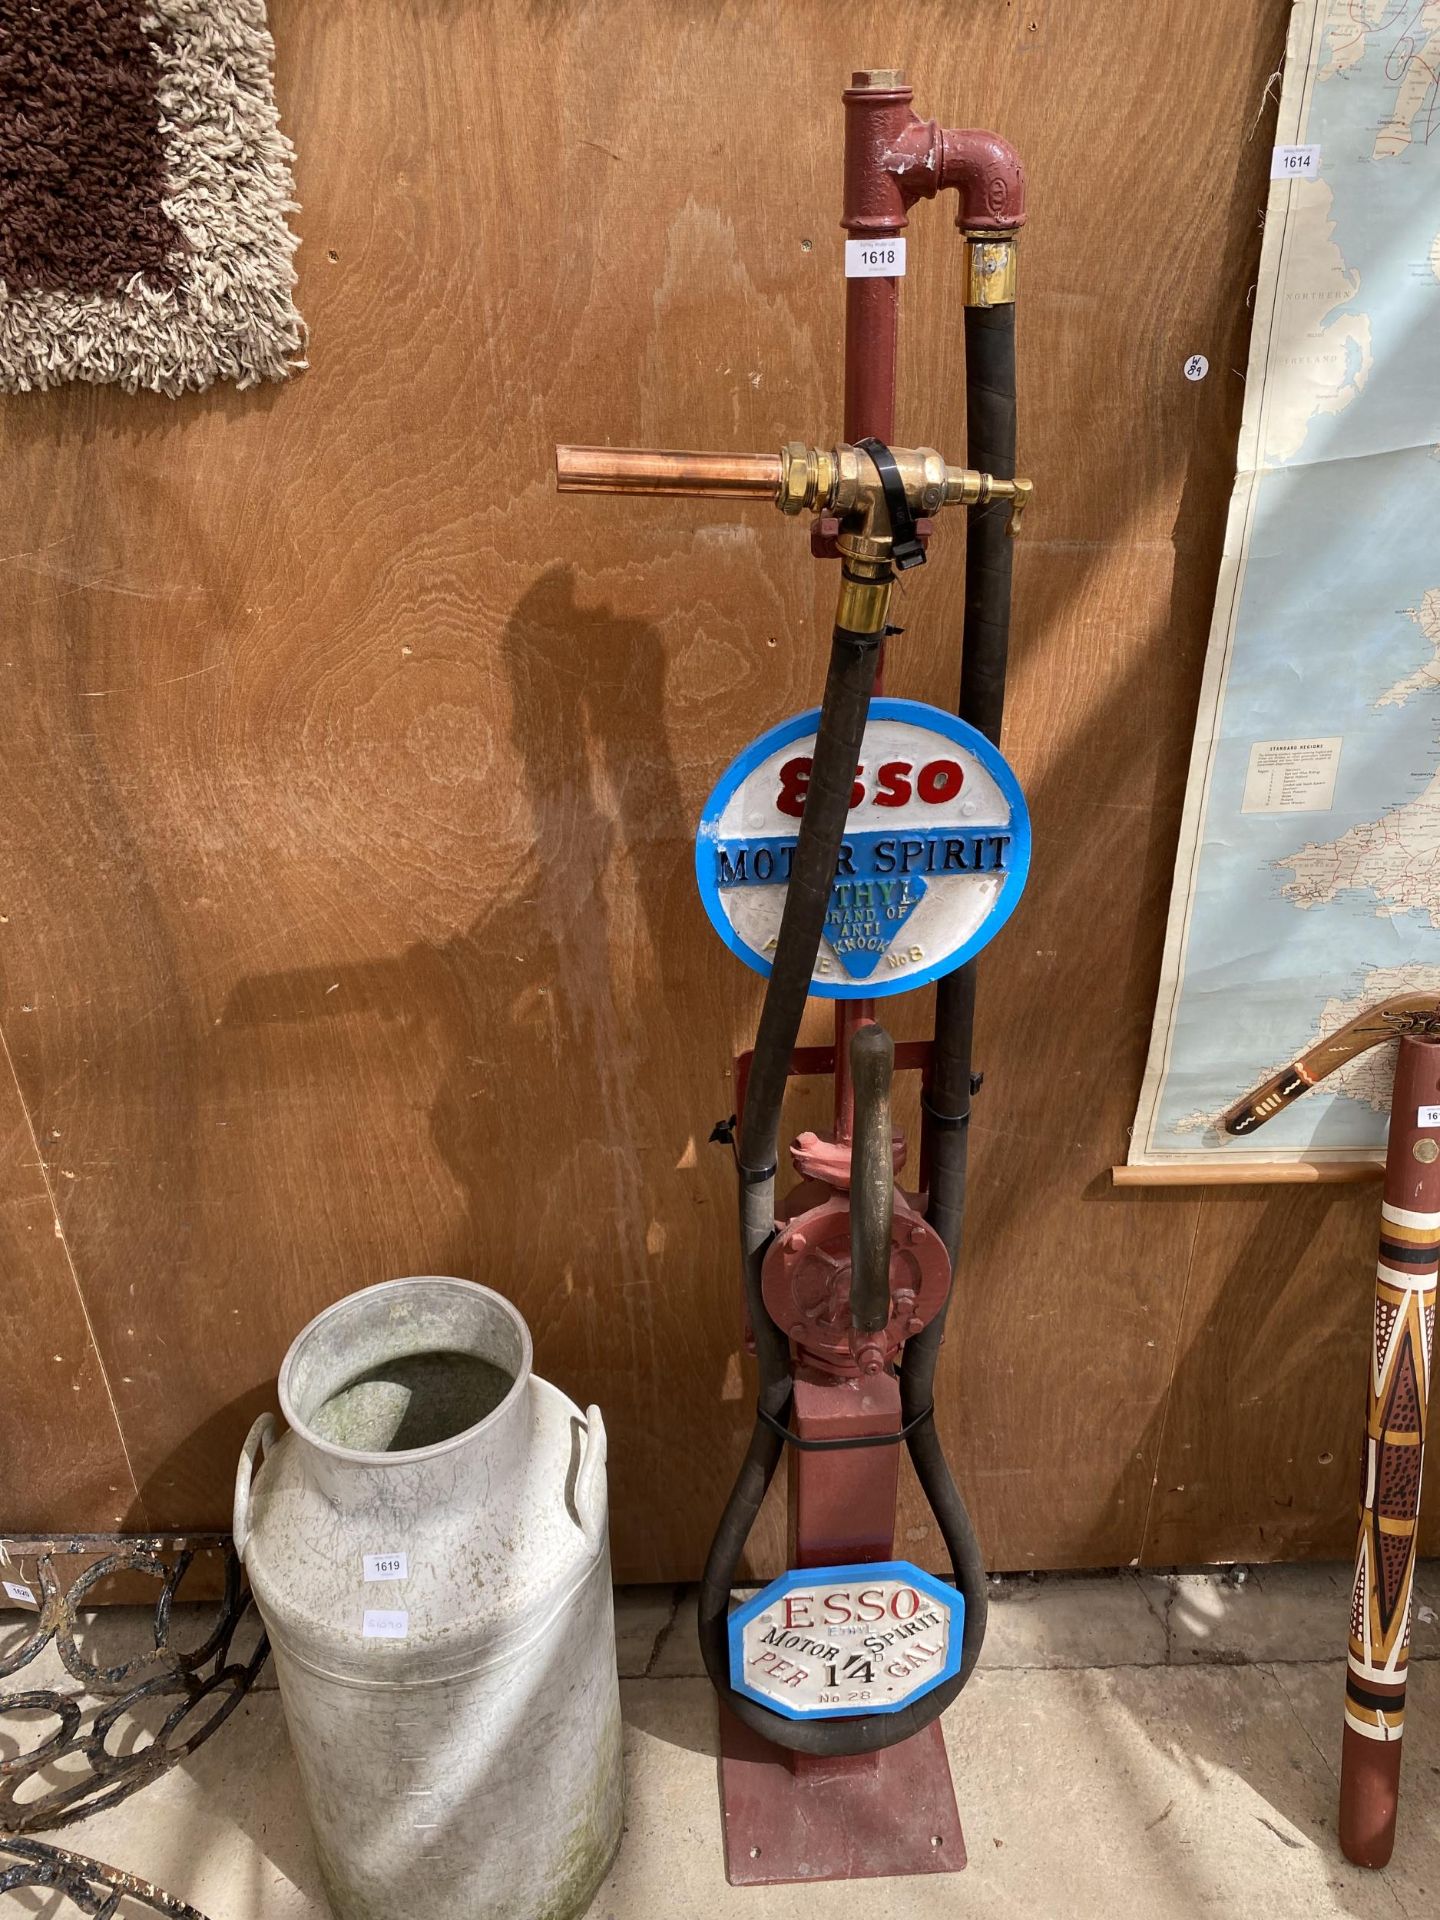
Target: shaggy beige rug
<point>144,187</point>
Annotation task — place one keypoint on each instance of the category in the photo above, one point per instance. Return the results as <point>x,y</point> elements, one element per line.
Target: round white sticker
<point>934,859</point>
<point>1196,367</point>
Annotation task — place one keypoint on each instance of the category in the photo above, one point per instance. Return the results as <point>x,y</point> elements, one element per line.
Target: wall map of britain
<point>1307,882</point>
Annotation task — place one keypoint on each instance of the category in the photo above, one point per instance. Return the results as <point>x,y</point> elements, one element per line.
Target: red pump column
<point>877,118</point>
<point>788,1818</point>
<point>892,159</point>
<point>877,115</point>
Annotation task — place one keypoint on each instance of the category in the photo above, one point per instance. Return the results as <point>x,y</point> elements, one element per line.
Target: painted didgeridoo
<point>1395,1417</point>
<point>1397,1399</point>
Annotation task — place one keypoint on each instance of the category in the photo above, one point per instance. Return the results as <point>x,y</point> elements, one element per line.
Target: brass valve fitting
<point>843,481</point>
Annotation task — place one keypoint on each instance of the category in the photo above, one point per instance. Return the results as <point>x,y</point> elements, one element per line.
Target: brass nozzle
<point>967,488</point>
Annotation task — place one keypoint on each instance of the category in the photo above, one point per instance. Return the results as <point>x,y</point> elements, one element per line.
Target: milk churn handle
<point>260,1438</point>
<point>590,1482</point>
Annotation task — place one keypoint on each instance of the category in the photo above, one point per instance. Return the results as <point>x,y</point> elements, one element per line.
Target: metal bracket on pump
<point>855,852</point>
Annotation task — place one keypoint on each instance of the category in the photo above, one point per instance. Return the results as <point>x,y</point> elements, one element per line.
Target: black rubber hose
<point>990,415</point>
<point>990,447</point>
<point>989,549</point>
<point>843,712</point>
<point>822,830</point>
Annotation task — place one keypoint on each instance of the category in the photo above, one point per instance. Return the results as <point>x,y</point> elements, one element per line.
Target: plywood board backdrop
<point>349,774</point>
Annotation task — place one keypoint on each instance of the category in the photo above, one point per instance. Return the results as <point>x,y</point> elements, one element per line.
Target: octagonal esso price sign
<point>830,1643</point>
<point>935,855</point>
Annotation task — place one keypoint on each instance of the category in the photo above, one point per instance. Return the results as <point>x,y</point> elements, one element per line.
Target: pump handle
<point>872,1186</point>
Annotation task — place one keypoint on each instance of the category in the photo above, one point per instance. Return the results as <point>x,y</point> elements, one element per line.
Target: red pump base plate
<point>788,1818</point>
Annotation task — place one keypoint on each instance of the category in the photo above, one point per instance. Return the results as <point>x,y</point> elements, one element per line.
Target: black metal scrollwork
<point>94,1888</point>
<point>206,1684</point>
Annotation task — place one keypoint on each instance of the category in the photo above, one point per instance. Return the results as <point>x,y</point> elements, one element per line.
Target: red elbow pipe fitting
<point>986,173</point>
<point>894,158</point>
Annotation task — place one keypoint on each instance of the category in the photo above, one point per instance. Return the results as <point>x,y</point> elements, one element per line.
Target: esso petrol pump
<point>856,852</point>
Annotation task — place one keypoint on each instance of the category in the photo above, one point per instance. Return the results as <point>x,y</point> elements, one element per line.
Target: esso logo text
<point>895,784</point>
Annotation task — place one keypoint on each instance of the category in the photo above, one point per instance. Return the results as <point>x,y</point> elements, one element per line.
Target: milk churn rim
<point>402,1456</point>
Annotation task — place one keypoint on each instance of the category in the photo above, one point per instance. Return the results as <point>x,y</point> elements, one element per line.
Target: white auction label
<point>386,1566</point>
<point>385,1624</point>
<point>1291,776</point>
<point>829,1643</point>
<point>1196,367</point>
<point>17,1590</point>
<point>875,259</point>
<point>1428,1117</point>
<point>1295,163</point>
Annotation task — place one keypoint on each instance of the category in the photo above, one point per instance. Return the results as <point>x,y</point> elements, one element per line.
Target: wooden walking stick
<point>1403,1336</point>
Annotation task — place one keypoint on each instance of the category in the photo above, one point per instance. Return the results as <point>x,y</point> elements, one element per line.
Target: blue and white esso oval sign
<point>833,1643</point>
<point>934,859</point>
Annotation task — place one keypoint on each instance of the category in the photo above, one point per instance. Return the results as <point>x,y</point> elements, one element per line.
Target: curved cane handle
<point>260,1439</point>
<point>590,1482</point>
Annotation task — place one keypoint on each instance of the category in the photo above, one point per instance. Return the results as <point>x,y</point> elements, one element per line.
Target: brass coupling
<point>865,583</point>
<point>814,479</point>
<point>992,262</point>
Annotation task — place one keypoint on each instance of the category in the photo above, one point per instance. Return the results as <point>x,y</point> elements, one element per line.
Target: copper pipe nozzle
<point>707,476</point>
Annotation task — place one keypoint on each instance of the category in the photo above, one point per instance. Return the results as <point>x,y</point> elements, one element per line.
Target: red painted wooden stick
<point>1396,1404</point>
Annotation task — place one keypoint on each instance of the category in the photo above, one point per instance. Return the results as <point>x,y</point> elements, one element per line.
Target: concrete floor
<point>1153,1746</point>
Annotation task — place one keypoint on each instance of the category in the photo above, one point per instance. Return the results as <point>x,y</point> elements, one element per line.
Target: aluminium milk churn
<point>429,1551</point>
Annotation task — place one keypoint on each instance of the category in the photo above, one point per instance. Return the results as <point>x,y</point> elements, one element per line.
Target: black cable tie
<point>792,1439</point>
<point>757,1173</point>
<point>946,1122</point>
<point>893,633</point>
<point>906,547</point>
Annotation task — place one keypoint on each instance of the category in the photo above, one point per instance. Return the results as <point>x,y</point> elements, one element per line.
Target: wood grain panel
<point>64,1460</point>
<point>350,773</point>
